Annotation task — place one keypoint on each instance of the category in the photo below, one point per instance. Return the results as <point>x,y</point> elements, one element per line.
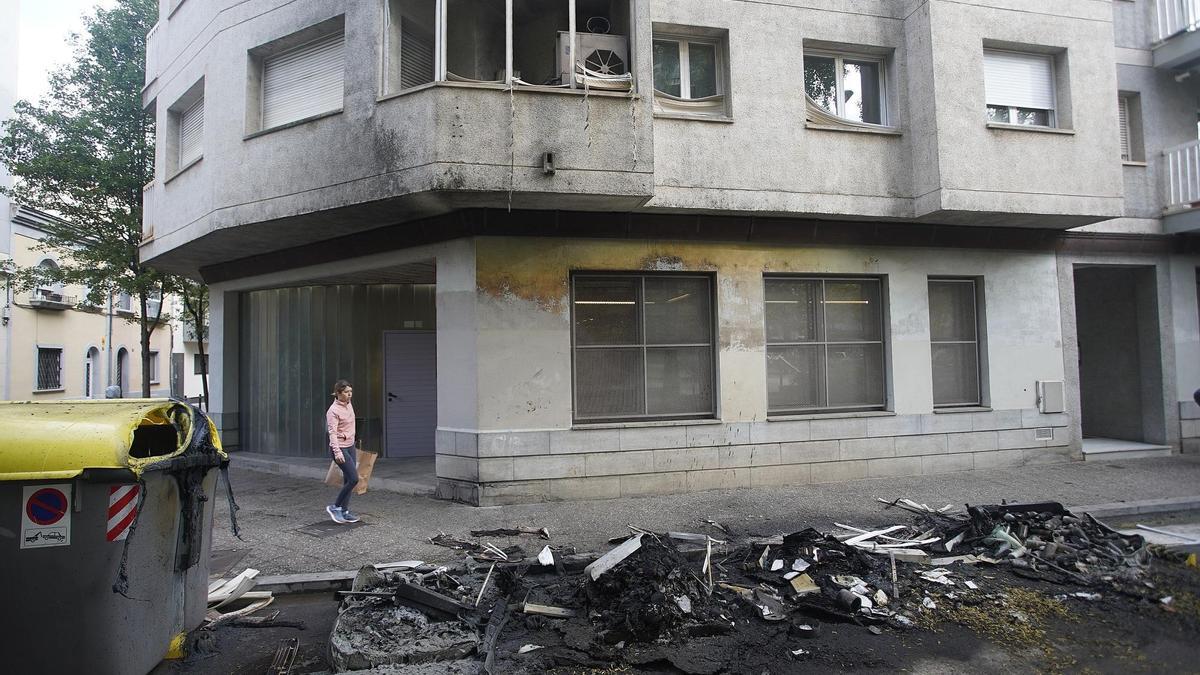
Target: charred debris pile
<point>717,602</point>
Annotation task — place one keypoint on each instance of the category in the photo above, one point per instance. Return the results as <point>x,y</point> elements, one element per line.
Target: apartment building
<point>58,344</point>
<point>593,248</point>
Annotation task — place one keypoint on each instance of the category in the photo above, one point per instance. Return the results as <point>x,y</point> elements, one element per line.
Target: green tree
<point>195,309</point>
<point>84,152</point>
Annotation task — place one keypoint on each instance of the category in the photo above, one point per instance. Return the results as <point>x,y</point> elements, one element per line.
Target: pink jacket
<point>339,423</point>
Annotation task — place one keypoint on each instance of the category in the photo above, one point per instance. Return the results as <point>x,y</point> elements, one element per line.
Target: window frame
<point>153,356</point>
<point>712,345</point>
<point>839,57</point>
<point>37,373</point>
<point>883,343</point>
<point>197,361</point>
<point>979,341</point>
<point>683,46</point>
<point>1053,116</point>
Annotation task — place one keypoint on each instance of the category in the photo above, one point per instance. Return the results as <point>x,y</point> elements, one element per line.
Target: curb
<point>282,468</point>
<point>1133,508</point>
<point>316,582</point>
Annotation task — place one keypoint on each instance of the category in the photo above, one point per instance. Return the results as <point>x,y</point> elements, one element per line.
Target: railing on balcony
<point>1182,164</point>
<point>1177,16</point>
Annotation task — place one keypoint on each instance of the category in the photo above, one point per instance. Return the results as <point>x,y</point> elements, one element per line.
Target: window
<point>643,346</point>
<point>124,302</point>
<point>954,342</point>
<point>848,86</point>
<point>47,288</point>
<point>1129,117</point>
<point>154,305</point>
<point>49,369</point>
<point>191,133</point>
<point>409,41</point>
<point>153,367</point>
<point>200,363</point>
<point>824,344</point>
<point>689,75</point>
<point>1019,88</point>
<point>480,41</point>
<point>297,77</point>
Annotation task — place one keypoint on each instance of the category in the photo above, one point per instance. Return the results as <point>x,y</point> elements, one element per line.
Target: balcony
<point>1181,212</point>
<point>1178,46</point>
<point>46,299</point>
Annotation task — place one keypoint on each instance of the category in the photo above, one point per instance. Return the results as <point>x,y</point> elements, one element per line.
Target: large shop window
<point>523,42</point>
<point>643,346</point>
<point>824,344</point>
<point>954,341</point>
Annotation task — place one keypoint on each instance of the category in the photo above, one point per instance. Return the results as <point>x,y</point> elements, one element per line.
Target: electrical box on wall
<point>1050,398</point>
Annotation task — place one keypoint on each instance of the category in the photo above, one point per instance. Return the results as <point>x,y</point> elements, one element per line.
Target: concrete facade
<point>446,183</point>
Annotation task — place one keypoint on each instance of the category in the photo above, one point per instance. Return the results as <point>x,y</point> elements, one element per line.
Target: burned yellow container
<point>105,522</point>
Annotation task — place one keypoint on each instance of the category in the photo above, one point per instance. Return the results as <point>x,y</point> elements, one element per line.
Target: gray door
<point>410,393</point>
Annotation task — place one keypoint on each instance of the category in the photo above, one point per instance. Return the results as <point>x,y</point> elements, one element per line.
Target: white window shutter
<point>1123,117</point>
<point>1019,80</point>
<point>191,133</point>
<point>303,82</point>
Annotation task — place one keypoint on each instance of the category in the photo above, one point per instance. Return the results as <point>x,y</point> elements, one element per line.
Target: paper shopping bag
<point>366,464</point>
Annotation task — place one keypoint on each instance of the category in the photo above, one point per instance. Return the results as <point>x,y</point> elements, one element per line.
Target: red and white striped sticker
<point>122,510</point>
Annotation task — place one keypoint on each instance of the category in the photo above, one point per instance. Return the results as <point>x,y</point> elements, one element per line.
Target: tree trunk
<point>196,309</point>
<point>144,326</point>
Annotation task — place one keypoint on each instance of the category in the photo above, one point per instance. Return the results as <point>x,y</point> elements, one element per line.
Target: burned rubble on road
<point>727,602</point>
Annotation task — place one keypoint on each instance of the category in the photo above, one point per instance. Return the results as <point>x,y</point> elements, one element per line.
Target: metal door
<point>409,393</point>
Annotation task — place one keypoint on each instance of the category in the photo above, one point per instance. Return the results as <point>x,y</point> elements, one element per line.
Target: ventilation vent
<point>1043,434</point>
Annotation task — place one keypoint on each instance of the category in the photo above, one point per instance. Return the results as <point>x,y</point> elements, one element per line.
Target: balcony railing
<point>1183,176</point>
<point>1177,16</point>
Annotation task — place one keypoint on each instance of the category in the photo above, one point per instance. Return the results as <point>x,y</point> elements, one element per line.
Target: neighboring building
<point>591,248</point>
<point>186,360</point>
<point>9,12</point>
<point>58,346</point>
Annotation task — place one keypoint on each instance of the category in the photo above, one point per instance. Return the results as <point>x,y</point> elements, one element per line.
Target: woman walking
<point>339,422</point>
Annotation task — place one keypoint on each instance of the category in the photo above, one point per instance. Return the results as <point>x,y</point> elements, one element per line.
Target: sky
<point>43,28</point>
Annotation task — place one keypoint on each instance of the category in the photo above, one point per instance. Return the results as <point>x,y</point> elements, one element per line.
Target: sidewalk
<point>398,526</point>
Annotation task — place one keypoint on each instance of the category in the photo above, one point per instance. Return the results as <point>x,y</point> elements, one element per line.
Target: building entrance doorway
<point>409,393</point>
<point>1120,360</point>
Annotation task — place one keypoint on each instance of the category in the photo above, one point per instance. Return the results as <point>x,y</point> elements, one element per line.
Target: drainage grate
<point>327,528</point>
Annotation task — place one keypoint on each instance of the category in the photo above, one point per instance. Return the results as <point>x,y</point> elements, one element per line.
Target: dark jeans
<point>349,477</point>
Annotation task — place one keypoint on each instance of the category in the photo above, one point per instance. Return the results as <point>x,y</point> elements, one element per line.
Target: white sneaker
<point>336,514</point>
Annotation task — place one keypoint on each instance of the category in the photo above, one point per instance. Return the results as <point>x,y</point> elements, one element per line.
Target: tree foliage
<point>83,153</point>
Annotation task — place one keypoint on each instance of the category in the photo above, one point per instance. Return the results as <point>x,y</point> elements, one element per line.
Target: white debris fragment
<point>525,649</point>
<point>938,576</point>
<point>799,652</point>
<point>791,575</point>
<point>928,603</point>
<point>685,603</point>
<point>880,598</point>
<point>972,585</point>
<point>546,557</point>
<point>800,565</point>
<point>1088,596</point>
<point>777,565</point>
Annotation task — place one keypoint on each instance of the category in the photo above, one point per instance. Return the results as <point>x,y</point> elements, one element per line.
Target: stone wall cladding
<point>604,463</point>
<point>1189,427</point>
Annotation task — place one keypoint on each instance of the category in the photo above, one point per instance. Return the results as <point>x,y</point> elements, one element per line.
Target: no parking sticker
<point>46,516</point>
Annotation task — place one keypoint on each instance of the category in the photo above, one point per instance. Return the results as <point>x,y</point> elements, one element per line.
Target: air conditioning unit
<point>598,52</point>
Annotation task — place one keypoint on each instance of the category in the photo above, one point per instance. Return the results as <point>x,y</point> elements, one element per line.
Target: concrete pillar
<point>457,446</point>
<point>223,362</point>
